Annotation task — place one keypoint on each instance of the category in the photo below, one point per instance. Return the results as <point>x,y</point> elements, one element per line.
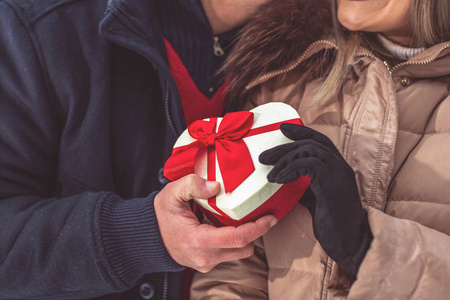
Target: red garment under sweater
<point>196,105</point>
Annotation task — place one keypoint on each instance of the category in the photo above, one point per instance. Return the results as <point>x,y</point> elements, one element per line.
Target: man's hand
<point>201,246</point>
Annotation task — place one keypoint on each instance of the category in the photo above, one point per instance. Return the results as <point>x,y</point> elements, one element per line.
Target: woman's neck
<point>400,38</point>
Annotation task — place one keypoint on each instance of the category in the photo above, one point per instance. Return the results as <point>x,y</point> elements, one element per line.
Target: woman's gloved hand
<point>340,224</point>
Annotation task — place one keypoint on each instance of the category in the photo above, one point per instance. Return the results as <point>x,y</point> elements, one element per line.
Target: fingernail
<point>211,184</point>
<point>273,222</point>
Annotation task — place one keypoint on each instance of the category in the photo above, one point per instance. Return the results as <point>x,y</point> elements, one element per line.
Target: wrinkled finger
<point>193,186</point>
<point>233,237</point>
<point>224,255</point>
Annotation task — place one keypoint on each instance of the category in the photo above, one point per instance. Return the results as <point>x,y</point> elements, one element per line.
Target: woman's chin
<point>353,22</point>
<point>352,26</point>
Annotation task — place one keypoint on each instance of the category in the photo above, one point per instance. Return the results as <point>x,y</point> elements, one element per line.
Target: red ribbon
<point>233,157</point>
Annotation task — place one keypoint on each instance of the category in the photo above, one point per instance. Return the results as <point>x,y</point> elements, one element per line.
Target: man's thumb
<point>193,186</point>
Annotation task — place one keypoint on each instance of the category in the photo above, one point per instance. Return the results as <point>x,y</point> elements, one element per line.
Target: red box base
<point>278,205</point>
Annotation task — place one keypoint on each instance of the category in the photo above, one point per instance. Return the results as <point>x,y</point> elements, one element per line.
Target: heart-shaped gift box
<point>227,150</point>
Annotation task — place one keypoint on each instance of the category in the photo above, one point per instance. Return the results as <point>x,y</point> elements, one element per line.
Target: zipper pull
<point>218,51</point>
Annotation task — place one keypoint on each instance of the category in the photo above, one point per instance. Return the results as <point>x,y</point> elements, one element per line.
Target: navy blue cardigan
<point>88,116</point>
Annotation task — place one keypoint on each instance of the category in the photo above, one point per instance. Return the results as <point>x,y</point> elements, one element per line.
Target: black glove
<point>340,224</point>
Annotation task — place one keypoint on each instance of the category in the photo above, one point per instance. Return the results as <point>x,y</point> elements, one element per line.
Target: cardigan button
<point>405,81</point>
<point>147,290</point>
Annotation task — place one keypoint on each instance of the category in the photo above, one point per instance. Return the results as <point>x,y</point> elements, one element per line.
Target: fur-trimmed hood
<point>279,32</point>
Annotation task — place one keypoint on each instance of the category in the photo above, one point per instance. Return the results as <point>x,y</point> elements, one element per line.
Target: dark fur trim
<point>280,31</point>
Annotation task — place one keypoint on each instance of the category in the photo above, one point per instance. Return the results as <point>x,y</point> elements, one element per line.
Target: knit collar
<point>399,51</point>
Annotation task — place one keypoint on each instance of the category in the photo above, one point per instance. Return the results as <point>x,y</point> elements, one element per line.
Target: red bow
<point>233,157</point>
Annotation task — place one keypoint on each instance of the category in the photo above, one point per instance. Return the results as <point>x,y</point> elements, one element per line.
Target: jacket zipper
<point>290,67</point>
<point>165,286</point>
<point>385,63</point>
<point>422,62</point>
<point>218,51</point>
<point>296,63</point>
<point>391,70</point>
<point>166,106</point>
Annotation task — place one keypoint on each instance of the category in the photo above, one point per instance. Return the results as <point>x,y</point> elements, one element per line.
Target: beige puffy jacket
<point>393,127</point>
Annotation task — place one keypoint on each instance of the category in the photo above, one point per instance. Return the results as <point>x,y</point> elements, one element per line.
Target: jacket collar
<point>134,24</point>
<point>141,14</point>
<point>433,62</point>
<point>276,35</point>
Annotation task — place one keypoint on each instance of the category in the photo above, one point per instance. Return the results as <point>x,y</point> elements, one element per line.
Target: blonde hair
<point>429,25</point>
